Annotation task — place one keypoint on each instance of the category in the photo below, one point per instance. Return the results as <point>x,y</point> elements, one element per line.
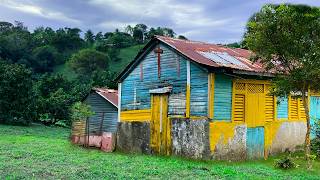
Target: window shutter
<point>294,108</point>
<point>269,108</point>
<point>239,107</point>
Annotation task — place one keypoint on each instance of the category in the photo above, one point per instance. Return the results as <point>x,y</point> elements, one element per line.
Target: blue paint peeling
<point>135,92</point>
<point>222,97</point>
<point>282,108</point>
<point>255,142</point>
<point>314,112</point>
<point>198,91</point>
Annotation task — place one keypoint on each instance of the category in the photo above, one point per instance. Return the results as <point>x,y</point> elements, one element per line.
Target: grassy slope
<point>126,55</point>
<point>45,153</point>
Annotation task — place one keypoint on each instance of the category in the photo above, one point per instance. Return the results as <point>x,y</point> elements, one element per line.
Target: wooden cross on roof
<point>159,51</point>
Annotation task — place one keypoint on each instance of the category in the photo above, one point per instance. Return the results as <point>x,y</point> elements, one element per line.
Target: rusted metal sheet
<point>210,55</point>
<point>110,95</point>
<point>214,55</point>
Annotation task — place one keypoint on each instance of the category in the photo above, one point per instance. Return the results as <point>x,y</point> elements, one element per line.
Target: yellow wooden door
<point>160,125</point>
<point>255,105</point>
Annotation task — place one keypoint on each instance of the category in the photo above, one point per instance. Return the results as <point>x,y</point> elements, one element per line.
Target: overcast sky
<point>217,21</point>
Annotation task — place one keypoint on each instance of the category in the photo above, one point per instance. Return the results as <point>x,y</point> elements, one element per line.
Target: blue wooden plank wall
<point>282,108</point>
<point>135,89</point>
<point>255,142</point>
<point>103,110</point>
<point>314,112</point>
<point>222,97</point>
<point>198,91</point>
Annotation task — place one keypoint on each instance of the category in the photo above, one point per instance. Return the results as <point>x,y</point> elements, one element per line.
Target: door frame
<point>160,131</point>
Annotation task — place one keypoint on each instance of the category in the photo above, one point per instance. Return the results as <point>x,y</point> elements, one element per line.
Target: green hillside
<point>65,70</point>
<point>126,55</point>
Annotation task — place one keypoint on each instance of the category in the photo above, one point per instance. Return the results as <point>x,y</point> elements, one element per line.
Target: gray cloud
<point>218,21</point>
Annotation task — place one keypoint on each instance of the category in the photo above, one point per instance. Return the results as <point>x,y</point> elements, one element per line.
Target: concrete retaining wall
<point>190,138</point>
<point>133,137</point>
<point>235,148</point>
<point>288,137</point>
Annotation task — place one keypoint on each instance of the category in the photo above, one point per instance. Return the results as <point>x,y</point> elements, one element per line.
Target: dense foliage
<point>80,111</point>
<point>285,38</point>
<point>17,100</point>
<point>31,90</point>
<point>285,163</point>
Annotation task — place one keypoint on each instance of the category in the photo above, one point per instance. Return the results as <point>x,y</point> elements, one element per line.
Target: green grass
<point>40,152</point>
<point>126,55</point>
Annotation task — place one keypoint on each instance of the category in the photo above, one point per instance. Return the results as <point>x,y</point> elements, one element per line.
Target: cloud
<point>217,21</point>
<point>116,25</point>
<point>33,9</point>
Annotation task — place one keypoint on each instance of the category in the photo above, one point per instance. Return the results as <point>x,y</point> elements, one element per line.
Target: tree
<point>285,38</point>
<point>138,35</point>
<point>98,37</point>
<point>44,58</point>
<point>139,32</point>
<point>86,61</point>
<point>182,37</point>
<point>234,45</point>
<point>17,101</point>
<point>89,37</point>
<point>129,29</point>
<point>168,32</point>
<point>55,96</point>
<point>103,79</point>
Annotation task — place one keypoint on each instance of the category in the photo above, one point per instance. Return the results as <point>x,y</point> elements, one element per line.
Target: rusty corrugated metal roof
<point>207,54</point>
<point>110,95</point>
<point>214,55</point>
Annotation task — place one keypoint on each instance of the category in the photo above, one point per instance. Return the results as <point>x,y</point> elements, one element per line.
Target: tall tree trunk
<point>307,139</point>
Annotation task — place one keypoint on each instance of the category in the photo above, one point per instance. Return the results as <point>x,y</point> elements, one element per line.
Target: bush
<point>81,111</point>
<point>56,94</point>
<point>285,163</point>
<point>17,101</point>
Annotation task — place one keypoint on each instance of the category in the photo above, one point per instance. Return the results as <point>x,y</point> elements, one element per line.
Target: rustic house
<point>202,100</point>
<point>98,130</point>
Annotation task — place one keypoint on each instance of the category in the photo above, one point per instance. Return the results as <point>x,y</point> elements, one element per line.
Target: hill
<point>126,55</point>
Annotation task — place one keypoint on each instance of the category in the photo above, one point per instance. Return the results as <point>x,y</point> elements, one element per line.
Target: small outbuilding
<point>99,129</point>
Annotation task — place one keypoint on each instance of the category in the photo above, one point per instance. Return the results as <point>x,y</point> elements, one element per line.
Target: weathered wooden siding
<point>199,91</point>
<point>282,108</point>
<point>255,142</point>
<point>135,88</point>
<point>222,97</point>
<point>314,111</point>
<point>103,110</point>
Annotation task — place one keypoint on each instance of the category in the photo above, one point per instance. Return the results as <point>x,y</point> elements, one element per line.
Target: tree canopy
<point>286,39</point>
<point>88,60</point>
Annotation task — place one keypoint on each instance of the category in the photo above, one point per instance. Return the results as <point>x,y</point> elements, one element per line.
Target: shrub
<point>80,111</point>
<point>285,163</point>
<point>17,101</point>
